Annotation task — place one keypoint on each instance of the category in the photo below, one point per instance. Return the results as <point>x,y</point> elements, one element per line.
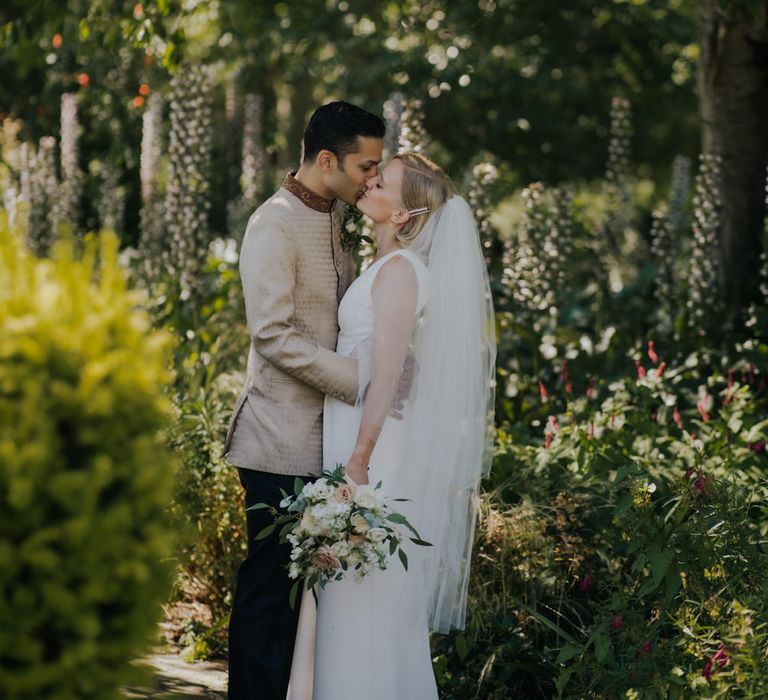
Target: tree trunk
<point>733,89</point>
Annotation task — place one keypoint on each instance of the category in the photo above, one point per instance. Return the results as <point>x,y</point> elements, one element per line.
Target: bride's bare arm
<point>395,295</point>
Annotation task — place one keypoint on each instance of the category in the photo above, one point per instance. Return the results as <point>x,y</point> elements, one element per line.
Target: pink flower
<point>660,369</point>
<point>591,431</point>
<point>586,584</point>
<point>700,485</point>
<point>543,391</point>
<point>640,369</point>
<point>617,623</point>
<point>703,412</point>
<point>646,647</point>
<point>652,353</point>
<point>323,558</point>
<point>591,388</point>
<point>719,657</point>
<point>676,418</point>
<point>758,446</point>
<point>569,388</point>
<point>547,439</point>
<point>553,424</point>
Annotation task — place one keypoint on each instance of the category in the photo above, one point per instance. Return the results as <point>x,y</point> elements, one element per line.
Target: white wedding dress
<point>369,639</point>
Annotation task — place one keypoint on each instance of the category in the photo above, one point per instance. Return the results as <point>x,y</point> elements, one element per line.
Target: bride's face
<point>382,197</point>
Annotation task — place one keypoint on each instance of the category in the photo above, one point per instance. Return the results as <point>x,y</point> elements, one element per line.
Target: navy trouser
<point>262,628</point>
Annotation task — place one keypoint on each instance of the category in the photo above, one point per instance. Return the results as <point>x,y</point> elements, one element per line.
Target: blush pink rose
<point>323,558</point>
<point>343,493</point>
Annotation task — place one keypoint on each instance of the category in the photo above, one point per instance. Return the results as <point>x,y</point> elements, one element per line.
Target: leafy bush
<point>84,480</point>
<point>622,549</point>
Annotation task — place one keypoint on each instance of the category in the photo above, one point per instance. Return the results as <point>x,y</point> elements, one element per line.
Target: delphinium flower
<point>43,187</point>
<point>527,274</point>
<point>71,189</point>
<point>153,250</point>
<point>679,193</point>
<point>482,178</point>
<point>413,136</point>
<point>703,282</point>
<point>111,198</point>
<point>253,166</point>
<point>393,110</point>
<point>618,191</point>
<point>663,254</point>
<point>187,200</point>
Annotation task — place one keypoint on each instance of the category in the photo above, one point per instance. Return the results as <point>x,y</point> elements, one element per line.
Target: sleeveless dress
<point>367,639</point>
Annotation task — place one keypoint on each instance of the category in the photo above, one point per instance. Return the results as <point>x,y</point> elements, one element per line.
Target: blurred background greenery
<point>614,153</point>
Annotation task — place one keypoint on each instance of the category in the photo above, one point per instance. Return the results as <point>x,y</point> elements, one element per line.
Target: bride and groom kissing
<point>325,384</point>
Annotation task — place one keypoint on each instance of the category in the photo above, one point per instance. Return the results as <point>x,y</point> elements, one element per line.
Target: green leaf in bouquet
<point>286,529</point>
<point>400,500</point>
<point>392,546</point>
<point>294,592</point>
<point>283,492</point>
<point>266,532</point>
<point>402,520</point>
<point>403,558</point>
<point>378,486</point>
<point>422,543</point>
<point>259,506</point>
<point>298,485</point>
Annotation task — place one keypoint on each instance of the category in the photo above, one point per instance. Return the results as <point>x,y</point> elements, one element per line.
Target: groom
<point>294,273</point>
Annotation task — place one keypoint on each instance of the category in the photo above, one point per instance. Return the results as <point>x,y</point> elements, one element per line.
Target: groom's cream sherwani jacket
<point>294,273</point>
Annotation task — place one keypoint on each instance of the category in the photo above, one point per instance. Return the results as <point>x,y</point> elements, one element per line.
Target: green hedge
<point>84,480</point>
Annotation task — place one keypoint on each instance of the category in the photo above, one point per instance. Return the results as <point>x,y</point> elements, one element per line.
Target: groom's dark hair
<point>335,127</point>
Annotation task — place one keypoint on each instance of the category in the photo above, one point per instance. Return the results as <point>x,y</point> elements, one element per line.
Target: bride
<point>426,297</point>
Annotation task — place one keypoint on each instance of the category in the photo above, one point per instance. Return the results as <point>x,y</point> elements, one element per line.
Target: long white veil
<point>449,421</point>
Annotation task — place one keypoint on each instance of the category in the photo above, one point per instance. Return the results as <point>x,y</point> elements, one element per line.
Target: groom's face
<point>348,180</point>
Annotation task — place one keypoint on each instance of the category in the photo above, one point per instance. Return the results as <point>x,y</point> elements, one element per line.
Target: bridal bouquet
<point>335,527</point>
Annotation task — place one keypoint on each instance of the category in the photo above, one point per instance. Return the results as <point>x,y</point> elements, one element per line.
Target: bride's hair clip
<point>420,210</point>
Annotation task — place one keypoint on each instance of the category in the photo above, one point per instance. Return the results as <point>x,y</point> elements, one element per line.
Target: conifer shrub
<point>84,480</point>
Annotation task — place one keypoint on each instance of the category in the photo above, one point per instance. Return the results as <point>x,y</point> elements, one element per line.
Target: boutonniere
<point>353,229</point>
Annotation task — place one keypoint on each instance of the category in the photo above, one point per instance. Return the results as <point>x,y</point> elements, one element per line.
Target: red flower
<point>703,412</point>
<point>617,623</point>
<point>590,388</point>
<point>138,11</point>
<point>700,485</point>
<point>57,41</point>
<point>586,584</point>
<point>758,446</point>
<point>138,101</point>
<point>652,353</point>
<point>660,369</point>
<point>676,418</point>
<point>564,372</point>
<point>144,89</point>
<point>543,391</point>
<point>730,378</point>
<point>720,658</point>
<point>646,647</point>
<point>640,369</point>
<point>83,79</point>
<point>569,388</point>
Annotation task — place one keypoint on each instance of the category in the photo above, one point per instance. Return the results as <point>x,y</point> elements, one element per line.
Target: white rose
<point>366,498</point>
<point>377,534</point>
<point>360,524</point>
<point>323,490</point>
<point>340,549</point>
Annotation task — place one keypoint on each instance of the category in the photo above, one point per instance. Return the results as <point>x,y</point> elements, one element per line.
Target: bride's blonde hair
<point>424,185</point>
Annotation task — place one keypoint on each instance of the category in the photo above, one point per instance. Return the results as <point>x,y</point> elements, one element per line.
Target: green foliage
<point>625,556</point>
<point>84,480</point>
